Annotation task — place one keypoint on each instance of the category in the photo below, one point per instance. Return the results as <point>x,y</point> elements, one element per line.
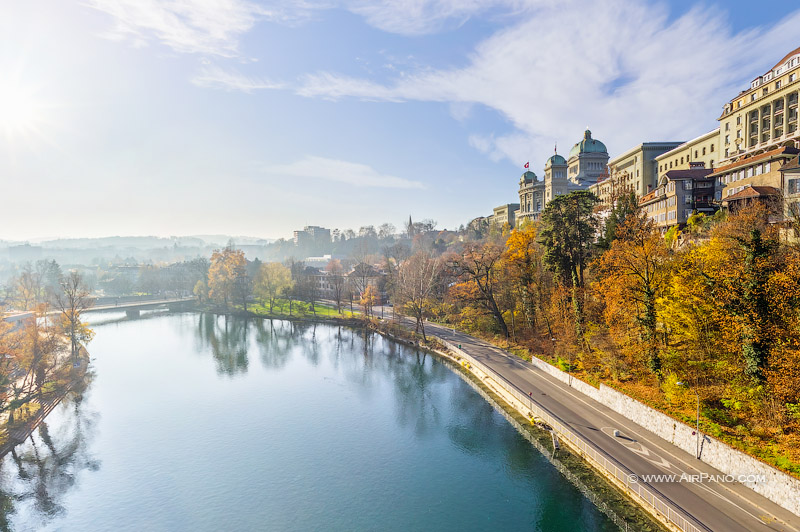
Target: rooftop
<point>753,191</point>
<point>782,151</point>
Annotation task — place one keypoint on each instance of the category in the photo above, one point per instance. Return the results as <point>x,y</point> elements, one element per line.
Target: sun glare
<point>20,112</point>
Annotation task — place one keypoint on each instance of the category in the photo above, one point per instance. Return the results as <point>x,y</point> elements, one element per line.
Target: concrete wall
<point>777,486</point>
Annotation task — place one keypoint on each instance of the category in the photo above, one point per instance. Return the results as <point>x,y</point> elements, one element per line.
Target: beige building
<point>761,170</point>
<point>764,116</point>
<point>680,193</point>
<point>634,171</point>
<point>703,149</point>
<point>504,214</point>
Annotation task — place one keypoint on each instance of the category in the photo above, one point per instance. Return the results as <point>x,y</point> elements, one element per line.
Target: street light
<point>697,432</point>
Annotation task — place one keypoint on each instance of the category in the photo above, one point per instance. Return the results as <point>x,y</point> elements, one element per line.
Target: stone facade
<point>633,171</point>
<point>587,163</point>
<point>764,116</point>
<point>703,149</point>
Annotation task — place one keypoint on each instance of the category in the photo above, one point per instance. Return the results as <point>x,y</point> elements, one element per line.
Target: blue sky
<point>136,117</point>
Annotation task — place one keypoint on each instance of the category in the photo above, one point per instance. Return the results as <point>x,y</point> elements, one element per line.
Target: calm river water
<point>200,423</point>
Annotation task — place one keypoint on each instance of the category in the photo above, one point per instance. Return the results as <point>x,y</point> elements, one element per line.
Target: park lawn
<point>299,310</point>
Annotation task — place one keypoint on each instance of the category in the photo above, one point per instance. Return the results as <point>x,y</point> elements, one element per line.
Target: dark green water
<point>198,422</point>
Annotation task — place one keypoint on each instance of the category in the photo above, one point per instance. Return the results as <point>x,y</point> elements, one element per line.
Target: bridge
<point>133,308</point>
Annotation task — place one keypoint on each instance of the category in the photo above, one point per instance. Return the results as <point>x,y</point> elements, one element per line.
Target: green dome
<point>588,145</point>
<point>529,176</point>
<point>555,160</point>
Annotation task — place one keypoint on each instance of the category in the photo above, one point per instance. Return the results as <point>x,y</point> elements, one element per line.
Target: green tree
<point>567,232</point>
<point>625,206</point>
<point>271,281</point>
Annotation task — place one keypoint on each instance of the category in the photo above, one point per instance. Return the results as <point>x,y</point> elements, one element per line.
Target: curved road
<point>722,507</point>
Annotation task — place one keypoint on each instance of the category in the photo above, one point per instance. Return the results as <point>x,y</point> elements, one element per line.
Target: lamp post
<point>697,432</point>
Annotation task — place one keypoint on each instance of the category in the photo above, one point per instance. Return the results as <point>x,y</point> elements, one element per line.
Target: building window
<point>766,167</point>
<point>681,160</point>
<point>712,148</point>
<point>739,120</point>
<point>792,77</point>
<point>738,133</point>
<point>738,104</point>
<point>777,84</point>
<point>726,152</point>
<point>764,91</point>
<point>727,126</point>
<point>687,185</point>
<point>727,140</point>
<point>711,163</point>
<point>704,150</point>
<point>695,154</point>
<point>753,97</point>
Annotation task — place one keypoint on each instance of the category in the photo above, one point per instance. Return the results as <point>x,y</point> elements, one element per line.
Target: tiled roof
<point>787,56</point>
<point>794,164</point>
<point>692,173</point>
<point>753,191</point>
<point>783,150</point>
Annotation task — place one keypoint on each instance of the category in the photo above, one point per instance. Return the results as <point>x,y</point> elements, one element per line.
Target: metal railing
<point>647,496</point>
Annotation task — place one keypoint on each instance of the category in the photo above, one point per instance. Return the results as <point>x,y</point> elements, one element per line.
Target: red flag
<point>527,164</point>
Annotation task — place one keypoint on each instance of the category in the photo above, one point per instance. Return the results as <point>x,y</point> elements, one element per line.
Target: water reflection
<point>357,430</point>
<point>227,337</point>
<point>37,475</point>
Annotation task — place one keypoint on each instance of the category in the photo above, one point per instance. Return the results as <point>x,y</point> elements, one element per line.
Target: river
<point>200,422</point>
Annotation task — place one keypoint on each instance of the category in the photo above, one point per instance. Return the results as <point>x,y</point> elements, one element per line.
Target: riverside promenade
<point>702,505</point>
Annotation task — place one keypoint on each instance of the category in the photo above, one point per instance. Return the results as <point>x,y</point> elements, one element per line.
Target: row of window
<point>744,173</point>
<point>667,166</point>
<point>765,90</point>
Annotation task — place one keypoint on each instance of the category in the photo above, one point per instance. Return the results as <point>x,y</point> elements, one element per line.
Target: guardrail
<point>647,496</point>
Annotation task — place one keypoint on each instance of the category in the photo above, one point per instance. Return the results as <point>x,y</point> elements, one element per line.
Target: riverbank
<point>13,434</point>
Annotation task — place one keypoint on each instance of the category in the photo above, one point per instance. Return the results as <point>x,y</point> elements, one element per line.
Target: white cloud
<point>232,80</point>
<point>622,67</point>
<point>417,17</point>
<point>211,27</point>
<point>356,174</point>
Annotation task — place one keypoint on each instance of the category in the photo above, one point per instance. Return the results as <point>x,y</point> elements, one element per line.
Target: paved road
<point>720,507</point>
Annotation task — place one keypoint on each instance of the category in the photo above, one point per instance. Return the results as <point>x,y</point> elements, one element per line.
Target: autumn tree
<point>633,274</point>
<point>415,286</point>
<point>525,263</point>
<point>71,301</point>
<point>747,258</point>
<point>369,297</point>
<point>227,276</point>
<point>478,266</point>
